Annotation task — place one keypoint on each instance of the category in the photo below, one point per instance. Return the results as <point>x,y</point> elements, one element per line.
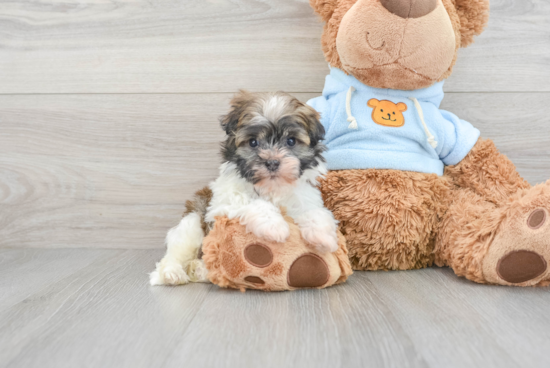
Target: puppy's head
<point>272,138</point>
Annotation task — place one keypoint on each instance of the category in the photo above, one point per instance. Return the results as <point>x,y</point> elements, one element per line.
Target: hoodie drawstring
<point>431,138</point>
<point>351,119</point>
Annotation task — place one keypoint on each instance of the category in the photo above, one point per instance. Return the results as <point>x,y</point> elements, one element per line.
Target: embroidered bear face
<point>387,113</point>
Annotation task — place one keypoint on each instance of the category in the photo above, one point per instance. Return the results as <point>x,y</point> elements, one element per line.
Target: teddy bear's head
<point>398,44</point>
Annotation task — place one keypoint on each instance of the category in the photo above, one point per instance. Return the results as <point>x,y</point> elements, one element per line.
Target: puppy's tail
<point>199,205</point>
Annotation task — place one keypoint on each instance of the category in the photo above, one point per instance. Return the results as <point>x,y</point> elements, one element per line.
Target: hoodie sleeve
<point>323,108</point>
<point>459,138</point>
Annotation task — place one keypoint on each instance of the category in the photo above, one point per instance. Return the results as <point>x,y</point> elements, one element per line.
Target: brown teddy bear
<point>413,185</point>
<point>238,259</point>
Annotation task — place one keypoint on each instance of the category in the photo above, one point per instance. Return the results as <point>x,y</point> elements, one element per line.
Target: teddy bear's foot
<point>520,251</point>
<point>306,271</point>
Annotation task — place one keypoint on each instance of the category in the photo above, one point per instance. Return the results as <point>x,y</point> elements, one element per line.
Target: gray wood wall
<point>108,109</point>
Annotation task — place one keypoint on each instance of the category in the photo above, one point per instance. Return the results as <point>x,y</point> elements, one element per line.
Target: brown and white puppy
<point>272,158</point>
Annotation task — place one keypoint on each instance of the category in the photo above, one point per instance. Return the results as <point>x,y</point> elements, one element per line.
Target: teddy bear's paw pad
<point>536,219</point>
<point>254,280</point>
<point>521,266</point>
<point>258,255</point>
<point>308,271</point>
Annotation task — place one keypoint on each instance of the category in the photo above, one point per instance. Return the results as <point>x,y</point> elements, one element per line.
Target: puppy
<point>272,158</point>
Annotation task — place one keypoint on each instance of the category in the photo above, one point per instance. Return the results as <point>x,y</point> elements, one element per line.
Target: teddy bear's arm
<point>487,172</point>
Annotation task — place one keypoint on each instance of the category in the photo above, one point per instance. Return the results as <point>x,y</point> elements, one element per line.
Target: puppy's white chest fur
<point>231,193</point>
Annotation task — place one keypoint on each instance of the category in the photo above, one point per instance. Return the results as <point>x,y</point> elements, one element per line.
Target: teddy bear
<point>411,184</point>
<point>240,260</point>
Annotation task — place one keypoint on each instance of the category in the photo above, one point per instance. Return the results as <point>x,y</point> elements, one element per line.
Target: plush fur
<point>273,158</point>
<point>389,217</point>
<point>396,220</point>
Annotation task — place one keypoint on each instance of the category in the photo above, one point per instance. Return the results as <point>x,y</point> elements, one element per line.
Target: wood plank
<point>138,46</point>
<point>507,322</point>
<point>21,266</point>
<point>113,171</point>
<point>105,315</point>
<point>337,327</point>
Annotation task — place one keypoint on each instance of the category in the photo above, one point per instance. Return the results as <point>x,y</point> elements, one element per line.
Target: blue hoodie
<point>373,128</point>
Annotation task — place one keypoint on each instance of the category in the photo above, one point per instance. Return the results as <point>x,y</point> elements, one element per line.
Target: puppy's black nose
<point>389,116</point>
<point>272,165</point>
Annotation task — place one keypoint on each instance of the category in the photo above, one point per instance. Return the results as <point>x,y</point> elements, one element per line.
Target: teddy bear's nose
<point>409,8</point>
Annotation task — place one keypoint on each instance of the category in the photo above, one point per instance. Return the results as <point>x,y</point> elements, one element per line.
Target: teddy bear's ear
<point>474,15</point>
<point>401,106</point>
<point>324,8</point>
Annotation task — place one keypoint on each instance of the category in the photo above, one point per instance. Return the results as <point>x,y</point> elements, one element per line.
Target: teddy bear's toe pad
<point>536,219</point>
<point>254,280</point>
<point>308,270</point>
<point>258,255</point>
<point>521,266</point>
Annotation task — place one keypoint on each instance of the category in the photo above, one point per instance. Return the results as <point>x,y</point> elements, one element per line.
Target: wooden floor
<point>108,122</point>
<point>94,308</point>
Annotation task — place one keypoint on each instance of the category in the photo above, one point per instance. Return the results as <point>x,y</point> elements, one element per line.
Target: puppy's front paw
<point>322,240</point>
<point>273,228</point>
<point>172,274</point>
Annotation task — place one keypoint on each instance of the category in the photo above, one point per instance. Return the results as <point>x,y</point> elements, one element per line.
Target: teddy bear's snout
<point>409,8</point>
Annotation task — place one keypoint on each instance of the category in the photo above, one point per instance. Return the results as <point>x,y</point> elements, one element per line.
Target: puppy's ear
<point>239,102</point>
<point>324,8</point>
<point>474,15</point>
<point>315,130</point>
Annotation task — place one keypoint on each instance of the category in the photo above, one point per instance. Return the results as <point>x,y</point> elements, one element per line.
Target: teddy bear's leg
<point>496,229</point>
<point>506,244</point>
<point>389,217</point>
<point>487,173</point>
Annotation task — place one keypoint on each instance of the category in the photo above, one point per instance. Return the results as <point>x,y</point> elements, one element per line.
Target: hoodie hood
<point>338,81</point>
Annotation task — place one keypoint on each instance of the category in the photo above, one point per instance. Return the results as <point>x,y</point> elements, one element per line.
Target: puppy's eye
<point>291,141</point>
<point>394,112</point>
<point>381,110</point>
<point>253,143</point>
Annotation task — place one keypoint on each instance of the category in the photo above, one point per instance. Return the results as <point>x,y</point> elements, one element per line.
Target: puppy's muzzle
<point>272,165</point>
